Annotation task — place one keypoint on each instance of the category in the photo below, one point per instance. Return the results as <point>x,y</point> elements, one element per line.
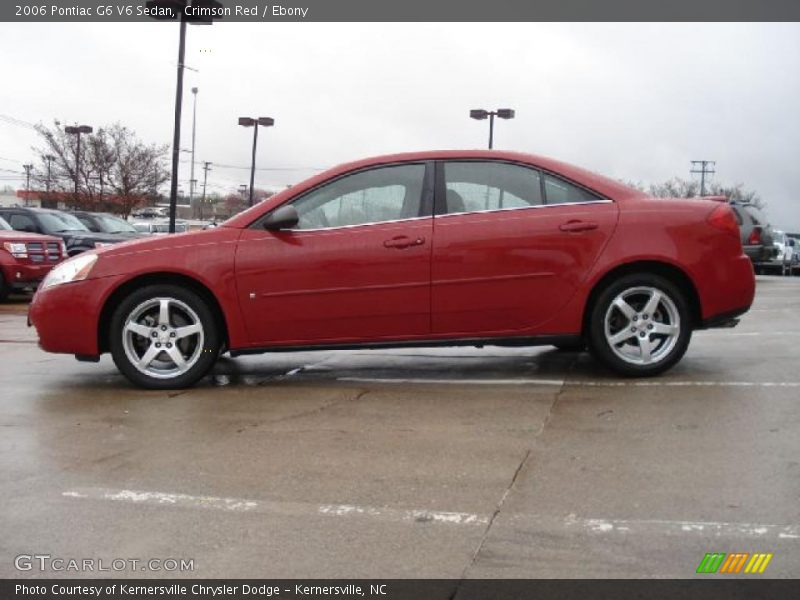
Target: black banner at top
<point>261,11</point>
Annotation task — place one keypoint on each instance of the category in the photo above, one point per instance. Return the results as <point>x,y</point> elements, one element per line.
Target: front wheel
<point>640,325</point>
<point>164,337</point>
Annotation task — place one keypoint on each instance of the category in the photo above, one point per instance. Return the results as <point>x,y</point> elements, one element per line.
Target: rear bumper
<point>724,320</point>
<point>760,253</point>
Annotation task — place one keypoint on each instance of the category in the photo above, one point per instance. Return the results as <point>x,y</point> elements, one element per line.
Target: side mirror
<point>284,217</point>
<point>792,242</point>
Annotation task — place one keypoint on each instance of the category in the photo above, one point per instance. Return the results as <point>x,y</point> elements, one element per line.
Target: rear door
<point>511,246</point>
<point>355,269</point>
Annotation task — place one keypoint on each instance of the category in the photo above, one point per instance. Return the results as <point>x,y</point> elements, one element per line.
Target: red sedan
<point>422,249</point>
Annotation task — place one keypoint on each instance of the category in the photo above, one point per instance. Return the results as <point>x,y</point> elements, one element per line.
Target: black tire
<point>203,356</point>
<point>601,347</point>
<point>5,289</point>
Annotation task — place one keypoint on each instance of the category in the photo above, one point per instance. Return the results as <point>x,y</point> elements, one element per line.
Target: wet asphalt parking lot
<point>442,463</point>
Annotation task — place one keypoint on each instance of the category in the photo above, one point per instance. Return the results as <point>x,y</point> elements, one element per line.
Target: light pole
<point>194,127</point>
<point>250,122</point>
<point>77,130</point>
<point>480,114</point>
<point>169,10</point>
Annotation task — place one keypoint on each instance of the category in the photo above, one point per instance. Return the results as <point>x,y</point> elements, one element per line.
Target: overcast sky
<point>632,101</point>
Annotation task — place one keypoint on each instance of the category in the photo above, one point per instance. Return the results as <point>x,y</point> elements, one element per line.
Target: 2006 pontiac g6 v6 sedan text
<point>429,248</point>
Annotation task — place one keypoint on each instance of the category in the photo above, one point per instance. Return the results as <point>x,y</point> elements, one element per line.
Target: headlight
<point>17,249</point>
<point>101,244</point>
<point>74,269</point>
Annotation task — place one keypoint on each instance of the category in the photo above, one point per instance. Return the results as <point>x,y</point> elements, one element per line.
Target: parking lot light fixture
<point>170,10</point>
<point>254,123</point>
<point>480,114</point>
<point>77,130</point>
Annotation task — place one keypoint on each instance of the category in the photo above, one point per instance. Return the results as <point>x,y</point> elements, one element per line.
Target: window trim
<point>441,188</point>
<point>426,201</point>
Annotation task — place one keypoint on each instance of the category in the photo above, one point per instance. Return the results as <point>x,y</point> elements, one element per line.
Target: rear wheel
<point>164,337</point>
<point>640,325</point>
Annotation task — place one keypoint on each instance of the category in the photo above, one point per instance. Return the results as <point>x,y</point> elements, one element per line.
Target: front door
<point>355,269</point>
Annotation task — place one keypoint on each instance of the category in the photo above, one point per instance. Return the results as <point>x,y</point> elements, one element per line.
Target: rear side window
<point>474,186</point>
<point>558,191</point>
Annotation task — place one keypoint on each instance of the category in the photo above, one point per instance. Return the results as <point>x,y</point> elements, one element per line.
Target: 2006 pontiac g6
<point>429,248</point>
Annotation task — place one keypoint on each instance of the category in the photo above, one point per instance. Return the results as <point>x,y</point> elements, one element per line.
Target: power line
<point>14,121</point>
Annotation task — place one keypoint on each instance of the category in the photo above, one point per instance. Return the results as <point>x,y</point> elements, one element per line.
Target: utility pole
<point>706,167</point>
<point>28,169</point>
<point>206,169</point>
<point>49,158</point>
<point>192,180</point>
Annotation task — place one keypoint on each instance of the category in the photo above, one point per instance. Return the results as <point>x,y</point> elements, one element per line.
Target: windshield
<point>111,224</point>
<point>58,222</point>
<point>4,226</point>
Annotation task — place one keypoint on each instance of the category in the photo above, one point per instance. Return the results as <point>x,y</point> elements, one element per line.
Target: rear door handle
<point>577,226</point>
<point>403,241</point>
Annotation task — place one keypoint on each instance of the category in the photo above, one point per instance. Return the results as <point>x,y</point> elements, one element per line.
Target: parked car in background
<point>157,227</point>
<point>107,223</point>
<point>449,248</point>
<point>25,258</point>
<point>149,212</point>
<point>784,248</point>
<point>756,233</point>
<point>76,235</point>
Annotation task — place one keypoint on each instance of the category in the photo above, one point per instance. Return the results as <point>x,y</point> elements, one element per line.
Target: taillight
<point>755,237</point>
<point>723,219</point>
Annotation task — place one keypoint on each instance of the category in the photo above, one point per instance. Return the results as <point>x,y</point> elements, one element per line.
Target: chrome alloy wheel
<point>163,337</point>
<point>642,325</point>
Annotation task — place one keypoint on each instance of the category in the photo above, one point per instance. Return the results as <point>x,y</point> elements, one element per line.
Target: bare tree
<point>116,170</point>
<point>684,188</point>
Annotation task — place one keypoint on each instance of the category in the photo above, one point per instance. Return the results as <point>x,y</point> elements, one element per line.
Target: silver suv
<point>757,236</point>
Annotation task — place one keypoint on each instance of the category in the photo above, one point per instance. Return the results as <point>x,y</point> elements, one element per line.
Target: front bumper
<point>21,276</point>
<point>66,316</point>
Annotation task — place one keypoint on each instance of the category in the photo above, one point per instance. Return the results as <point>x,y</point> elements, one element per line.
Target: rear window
<point>756,215</point>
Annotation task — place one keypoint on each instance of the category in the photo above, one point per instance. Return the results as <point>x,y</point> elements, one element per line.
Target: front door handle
<point>403,241</point>
<point>577,226</point>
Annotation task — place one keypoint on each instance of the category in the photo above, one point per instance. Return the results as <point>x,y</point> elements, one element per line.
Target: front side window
<point>374,196</point>
<point>22,223</point>
<point>558,191</point>
<point>473,186</point>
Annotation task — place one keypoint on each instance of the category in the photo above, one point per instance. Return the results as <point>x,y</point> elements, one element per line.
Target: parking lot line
<point>589,525</point>
<point>668,527</point>
<point>241,505</point>
<point>560,382</point>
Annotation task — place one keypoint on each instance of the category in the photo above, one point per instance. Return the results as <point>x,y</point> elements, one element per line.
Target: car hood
<point>76,237</point>
<point>23,236</point>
